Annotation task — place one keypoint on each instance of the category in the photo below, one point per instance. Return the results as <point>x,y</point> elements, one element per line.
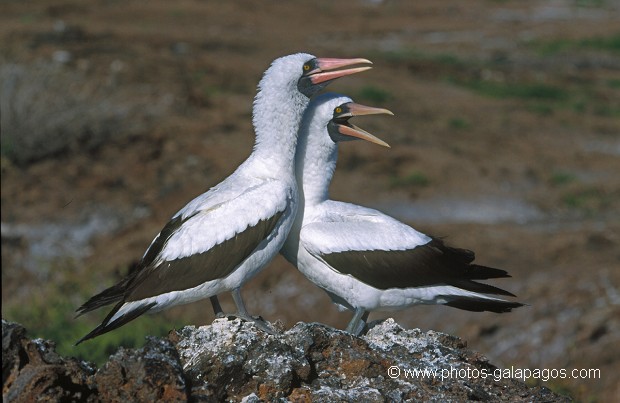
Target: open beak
<point>348,129</point>
<point>328,69</point>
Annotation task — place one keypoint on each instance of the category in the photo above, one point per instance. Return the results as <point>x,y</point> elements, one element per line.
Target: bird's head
<point>311,74</point>
<point>333,111</point>
<point>318,72</point>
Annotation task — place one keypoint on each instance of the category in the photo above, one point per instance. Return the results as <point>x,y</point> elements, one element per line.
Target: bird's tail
<point>477,272</point>
<point>480,304</point>
<point>108,296</point>
<point>113,321</point>
<point>475,301</point>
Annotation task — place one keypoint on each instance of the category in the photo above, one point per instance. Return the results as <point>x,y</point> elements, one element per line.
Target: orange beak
<point>349,129</point>
<point>328,69</point>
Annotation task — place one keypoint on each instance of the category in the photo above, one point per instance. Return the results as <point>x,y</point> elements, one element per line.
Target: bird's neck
<point>276,117</point>
<point>315,166</point>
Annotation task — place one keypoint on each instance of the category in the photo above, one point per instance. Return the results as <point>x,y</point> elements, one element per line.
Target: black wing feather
<point>180,274</point>
<point>117,292</point>
<point>431,264</point>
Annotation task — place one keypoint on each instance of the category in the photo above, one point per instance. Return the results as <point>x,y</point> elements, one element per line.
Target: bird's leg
<point>358,322</point>
<point>365,317</point>
<point>217,308</point>
<point>242,313</point>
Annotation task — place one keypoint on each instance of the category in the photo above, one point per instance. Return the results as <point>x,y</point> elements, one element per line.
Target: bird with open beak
<point>366,260</point>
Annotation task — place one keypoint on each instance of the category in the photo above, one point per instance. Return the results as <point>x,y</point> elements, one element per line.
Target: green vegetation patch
<point>562,178</point>
<point>589,200</point>
<point>552,47</point>
<point>542,96</point>
<point>458,124</point>
<point>374,94</point>
<point>417,179</point>
<point>440,60</point>
<point>536,91</point>
<point>50,314</point>
<point>614,83</point>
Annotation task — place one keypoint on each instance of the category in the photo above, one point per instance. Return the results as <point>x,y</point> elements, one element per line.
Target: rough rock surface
<point>232,360</point>
<point>32,371</point>
<point>150,374</point>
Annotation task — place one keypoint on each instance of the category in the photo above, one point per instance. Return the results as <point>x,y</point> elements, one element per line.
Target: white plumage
<point>224,237</point>
<point>364,259</point>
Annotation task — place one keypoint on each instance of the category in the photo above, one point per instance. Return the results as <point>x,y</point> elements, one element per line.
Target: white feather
<point>339,227</point>
<point>260,187</point>
<point>213,225</point>
<point>324,226</point>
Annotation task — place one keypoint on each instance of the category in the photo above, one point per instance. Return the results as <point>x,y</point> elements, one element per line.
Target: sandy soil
<point>506,140</point>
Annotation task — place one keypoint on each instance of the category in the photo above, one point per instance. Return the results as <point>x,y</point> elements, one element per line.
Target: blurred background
<point>506,141</point>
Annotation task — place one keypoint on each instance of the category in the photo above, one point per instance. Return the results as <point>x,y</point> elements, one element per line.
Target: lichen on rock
<point>232,360</point>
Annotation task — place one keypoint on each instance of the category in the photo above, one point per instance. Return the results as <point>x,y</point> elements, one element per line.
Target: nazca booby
<point>225,236</point>
<point>364,259</point>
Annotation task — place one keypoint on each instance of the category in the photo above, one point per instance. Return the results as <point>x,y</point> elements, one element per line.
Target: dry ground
<point>506,140</point>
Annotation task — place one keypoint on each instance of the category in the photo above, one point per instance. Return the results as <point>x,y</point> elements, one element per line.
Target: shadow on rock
<point>233,360</point>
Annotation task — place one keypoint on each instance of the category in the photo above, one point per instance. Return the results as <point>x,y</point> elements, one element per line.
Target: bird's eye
<point>306,67</point>
<point>338,110</point>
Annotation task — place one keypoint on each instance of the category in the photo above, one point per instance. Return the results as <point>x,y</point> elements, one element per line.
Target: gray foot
<point>358,322</point>
<point>242,313</point>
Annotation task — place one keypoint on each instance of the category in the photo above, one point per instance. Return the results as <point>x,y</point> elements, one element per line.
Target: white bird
<point>364,259</point>
<point>225,236</point>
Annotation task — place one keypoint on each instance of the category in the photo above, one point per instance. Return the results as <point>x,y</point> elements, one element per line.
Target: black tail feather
<point>106,297</point>
<point>460,272</point>
<point>481,304</point>
<point>107,326</point>
<point>477,272</point>
<point>474,286</point>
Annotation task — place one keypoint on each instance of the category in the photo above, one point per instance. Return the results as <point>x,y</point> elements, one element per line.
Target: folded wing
<point>360,249</point>
<point>205,245</point>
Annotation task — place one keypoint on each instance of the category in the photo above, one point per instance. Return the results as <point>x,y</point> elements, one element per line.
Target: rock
<point>312,362</point>
<point>33,371</point>
<point>152,373</point>
<point>232,360</point>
